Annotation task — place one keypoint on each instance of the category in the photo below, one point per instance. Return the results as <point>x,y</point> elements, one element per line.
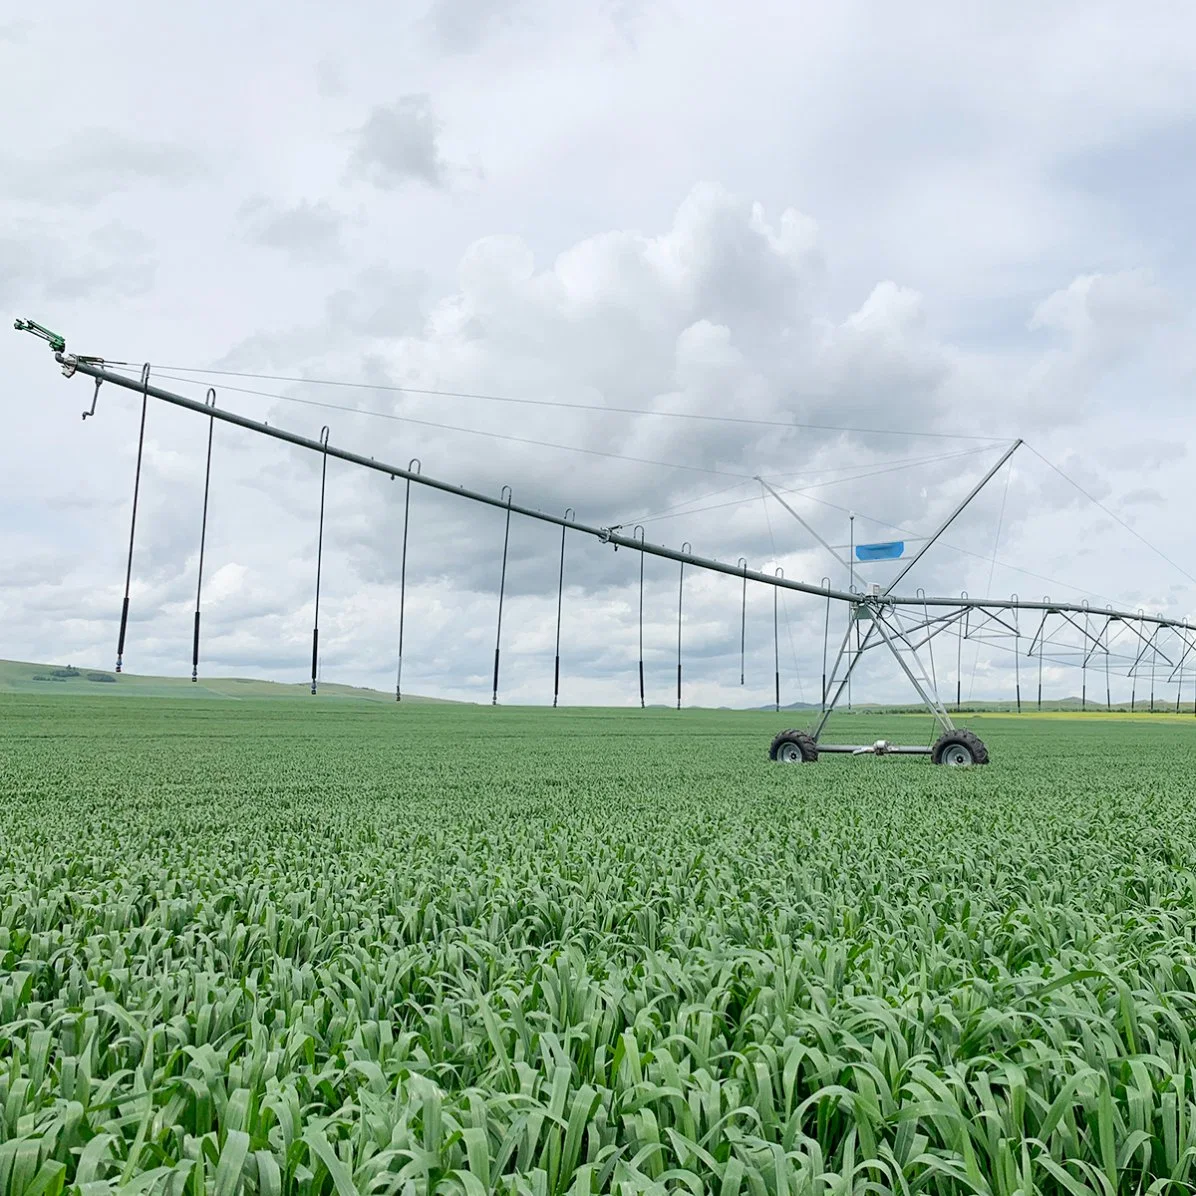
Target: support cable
<point>597,407</point>
<point>87,365</point>
<point>992,569</point>
<point>870,471</point>
<point>73,364</point>
<point>1115,517</point>
<point>801,691</point>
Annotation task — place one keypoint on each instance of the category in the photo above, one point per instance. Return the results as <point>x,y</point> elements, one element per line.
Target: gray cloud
<point>1143,496</point>
<point>305,231</point>
<point>35,266</point>
<point>330,79</point>
<point>95,163</point>
<point>399,144</point>
<point>380,302</point>
<point>460,26</point>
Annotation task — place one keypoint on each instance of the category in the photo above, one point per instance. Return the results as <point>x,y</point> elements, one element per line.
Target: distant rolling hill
<point>22,677</point>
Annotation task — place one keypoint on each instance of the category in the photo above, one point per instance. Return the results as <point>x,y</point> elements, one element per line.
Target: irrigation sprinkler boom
<point>904,626</point>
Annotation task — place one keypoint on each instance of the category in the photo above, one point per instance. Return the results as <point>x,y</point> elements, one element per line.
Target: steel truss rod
<point>855,659</point>
<point>932,700</point>
<point>940,625</point>
<point>929,681</point>
<point>932,621</point>
<point>801,521</point>
<point>954,515</point>
<point>1130,620</point>
<point>1041,627</point>
<point>93,368</point>
<point>977,632</point>
<point>1147,646</point>
<point>1087,634</point>
<point>1187,649</point>
<point>1096,645</point>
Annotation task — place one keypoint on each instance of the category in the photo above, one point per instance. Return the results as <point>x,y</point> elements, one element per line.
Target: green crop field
<point>318,947</point>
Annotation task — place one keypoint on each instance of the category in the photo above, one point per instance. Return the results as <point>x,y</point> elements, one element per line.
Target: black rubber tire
<point>959,738</point>
<point>803,742</point>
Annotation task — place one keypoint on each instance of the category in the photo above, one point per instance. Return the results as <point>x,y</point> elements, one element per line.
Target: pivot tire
<point>793,747</point>
<point>959,749</point>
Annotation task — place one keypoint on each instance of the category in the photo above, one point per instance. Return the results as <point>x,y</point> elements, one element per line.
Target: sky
<point>939,227</point>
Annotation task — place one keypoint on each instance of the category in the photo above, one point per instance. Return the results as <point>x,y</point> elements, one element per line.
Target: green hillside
<point>23,677</point>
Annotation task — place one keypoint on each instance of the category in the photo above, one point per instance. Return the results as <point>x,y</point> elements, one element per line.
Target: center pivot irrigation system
<point>1111,641</point>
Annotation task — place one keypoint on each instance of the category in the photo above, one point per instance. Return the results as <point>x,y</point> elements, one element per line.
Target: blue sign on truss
<point>891,550</point>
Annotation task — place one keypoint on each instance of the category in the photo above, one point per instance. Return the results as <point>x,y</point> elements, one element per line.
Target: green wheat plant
<point>271,948</point>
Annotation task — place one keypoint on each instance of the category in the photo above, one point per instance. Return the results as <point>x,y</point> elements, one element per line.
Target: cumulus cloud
<point>459,26</point>
<point>398,145</point>
<point>93,164</point>
<point>1104,313</point>
<point>37,266</point>
<point>304,231</point>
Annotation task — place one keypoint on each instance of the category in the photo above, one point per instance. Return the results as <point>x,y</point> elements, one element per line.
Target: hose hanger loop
<point>413,466</point>
<point>315,628</point>
<point>504,494</point>
<point>1017,648</point>
<point>637,533</point>
<point>124,610</point>
<point>570,514</point>
<point>686,547</point>
<point>826,634</point>
<point>776,643</point>
<point>209,401</point>
<point>743,564</point>
<point>961,634</point>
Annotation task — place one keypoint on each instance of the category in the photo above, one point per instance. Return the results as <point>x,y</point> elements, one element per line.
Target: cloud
<point>460,26</point>
<point>96,163</point>
<point>1104,313</point>
<point>305,231</point>
<point>379,302</point>
<point>330,79</point>
<point>1143,496</point>
<point>36,266</point>
<point>398,145</point>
